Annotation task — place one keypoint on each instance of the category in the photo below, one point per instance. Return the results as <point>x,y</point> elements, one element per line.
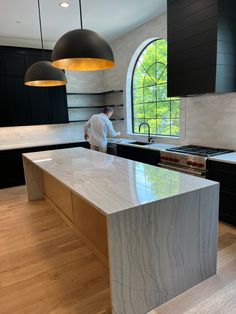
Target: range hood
<point>201,46</point>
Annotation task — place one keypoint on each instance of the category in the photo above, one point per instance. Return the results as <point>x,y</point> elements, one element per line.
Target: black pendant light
<point>82,50</point>
<point>42,73</point>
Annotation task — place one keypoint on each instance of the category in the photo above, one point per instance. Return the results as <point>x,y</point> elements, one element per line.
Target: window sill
<point>158,138</point>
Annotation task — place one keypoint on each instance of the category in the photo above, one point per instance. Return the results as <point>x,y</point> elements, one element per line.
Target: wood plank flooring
<point>44,267</point>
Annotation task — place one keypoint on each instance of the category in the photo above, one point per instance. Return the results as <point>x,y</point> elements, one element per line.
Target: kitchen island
<point>154,229</point>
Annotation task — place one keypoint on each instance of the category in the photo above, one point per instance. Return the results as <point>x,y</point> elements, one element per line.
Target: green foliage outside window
<point>149,92</point>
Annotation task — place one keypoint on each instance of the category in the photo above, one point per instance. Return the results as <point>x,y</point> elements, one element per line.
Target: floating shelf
<point>88,107</point>
<point>88,119</point>
<point>102,93</point>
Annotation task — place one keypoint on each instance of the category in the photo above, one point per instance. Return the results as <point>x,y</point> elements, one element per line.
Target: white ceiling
<point>110,18</point>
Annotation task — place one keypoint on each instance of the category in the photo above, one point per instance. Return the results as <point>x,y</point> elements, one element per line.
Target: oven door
<point>191,171</point>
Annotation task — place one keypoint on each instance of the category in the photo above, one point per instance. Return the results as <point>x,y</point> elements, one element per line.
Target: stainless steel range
<point>189,159</point>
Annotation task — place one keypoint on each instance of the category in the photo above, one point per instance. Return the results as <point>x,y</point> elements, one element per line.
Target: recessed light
<point>64,4</point>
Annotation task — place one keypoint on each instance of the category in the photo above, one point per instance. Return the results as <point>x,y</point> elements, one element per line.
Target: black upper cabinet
<point>201,46</point>
<point>58,97</point>
<point>17,104</point>
<point>24,105</point>
<point>12,64</point>
<point>40,105</point>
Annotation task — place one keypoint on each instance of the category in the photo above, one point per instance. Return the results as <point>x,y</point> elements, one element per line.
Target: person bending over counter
<point>98,128</point>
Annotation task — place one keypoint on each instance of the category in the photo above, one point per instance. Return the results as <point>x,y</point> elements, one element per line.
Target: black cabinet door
<point>58,102</point>
<point>147,156</point>
<point>11,168</point>
<point>17,106</point>
<point>40,106</point>
<point>24,105</point>
<point>225,174</point>
<point>12,64</point>
<point>4,118</point>
<point>11,165</point>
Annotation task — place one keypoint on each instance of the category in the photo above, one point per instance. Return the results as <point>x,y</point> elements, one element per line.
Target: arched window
<point>149,92</point>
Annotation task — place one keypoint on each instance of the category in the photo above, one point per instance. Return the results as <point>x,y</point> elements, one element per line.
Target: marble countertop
<point>151,146</point>
<point>113,184</point>
<point>228,158</point>
<point>44,142</point>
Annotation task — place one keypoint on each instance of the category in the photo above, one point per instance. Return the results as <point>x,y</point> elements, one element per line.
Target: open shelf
<point>120,119</point>
<point>80,107</point>
<point>98,106</point>
<point>101,93</point>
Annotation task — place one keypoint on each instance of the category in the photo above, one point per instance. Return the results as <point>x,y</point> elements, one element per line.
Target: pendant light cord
<point>41,32</point>
<point>80,11</point>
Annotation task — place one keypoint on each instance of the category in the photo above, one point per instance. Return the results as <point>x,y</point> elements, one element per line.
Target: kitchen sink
<point>140,143</point>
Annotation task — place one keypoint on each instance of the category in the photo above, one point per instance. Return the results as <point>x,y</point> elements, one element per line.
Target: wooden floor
<point>44,267</point>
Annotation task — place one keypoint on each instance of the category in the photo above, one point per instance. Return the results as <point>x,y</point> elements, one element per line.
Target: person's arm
<point>86,128</point>
<point>110,130</point>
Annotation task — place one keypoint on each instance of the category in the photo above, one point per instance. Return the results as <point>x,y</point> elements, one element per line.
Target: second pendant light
<point>82,50</point>
<point>42,73</point>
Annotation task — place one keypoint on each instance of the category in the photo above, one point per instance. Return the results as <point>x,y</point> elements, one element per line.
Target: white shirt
<point>100,127</point>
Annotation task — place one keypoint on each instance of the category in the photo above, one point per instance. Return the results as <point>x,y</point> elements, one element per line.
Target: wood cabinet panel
<point>92,224</point>
<point>58,194</point>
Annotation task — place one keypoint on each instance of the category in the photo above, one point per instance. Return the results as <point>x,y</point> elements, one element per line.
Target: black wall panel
<point>201,46</point>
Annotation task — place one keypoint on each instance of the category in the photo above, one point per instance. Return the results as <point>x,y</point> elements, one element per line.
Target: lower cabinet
<point>151,157</point>
<point>87,221</point>
<point>59,194</point>
<point>225,174</point>
<point>11,166</point>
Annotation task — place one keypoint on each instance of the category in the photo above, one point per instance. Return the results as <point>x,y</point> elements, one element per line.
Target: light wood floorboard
<point>44,267</point>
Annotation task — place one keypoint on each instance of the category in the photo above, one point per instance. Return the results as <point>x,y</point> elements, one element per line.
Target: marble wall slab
<point>159,250</point>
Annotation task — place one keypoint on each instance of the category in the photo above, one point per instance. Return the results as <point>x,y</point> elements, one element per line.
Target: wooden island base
<point>85,220</point>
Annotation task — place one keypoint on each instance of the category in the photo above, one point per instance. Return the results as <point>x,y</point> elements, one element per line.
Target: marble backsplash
<point>209,120</point>
<point>44,134</point>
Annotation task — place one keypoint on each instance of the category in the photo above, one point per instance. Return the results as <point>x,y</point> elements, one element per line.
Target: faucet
<point>145,123</point>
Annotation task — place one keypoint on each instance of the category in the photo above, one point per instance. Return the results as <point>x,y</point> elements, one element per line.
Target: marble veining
<point>113,184</point>
<point>228,158</point>
<point>159,250</point>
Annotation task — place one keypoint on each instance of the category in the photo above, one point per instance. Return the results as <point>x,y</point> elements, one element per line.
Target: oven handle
<point>184,170</point>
